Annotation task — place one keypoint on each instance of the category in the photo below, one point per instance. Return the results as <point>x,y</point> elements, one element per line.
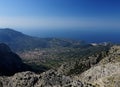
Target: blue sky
<point>59,13</point>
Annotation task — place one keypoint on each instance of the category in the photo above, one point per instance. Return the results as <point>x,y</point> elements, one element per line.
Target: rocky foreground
<point>106,73</point>
<point>50,78</point>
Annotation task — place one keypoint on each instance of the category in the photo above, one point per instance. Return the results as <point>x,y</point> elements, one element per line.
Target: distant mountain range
<point>20,42</point>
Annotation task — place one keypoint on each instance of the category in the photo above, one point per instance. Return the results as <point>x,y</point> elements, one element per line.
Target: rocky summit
<point>50,78</point>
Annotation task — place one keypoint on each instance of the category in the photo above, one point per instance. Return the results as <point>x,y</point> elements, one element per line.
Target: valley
<point>59,63</point>
<point>58,59</point>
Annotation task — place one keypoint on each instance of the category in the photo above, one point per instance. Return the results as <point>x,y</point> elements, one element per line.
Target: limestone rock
<point>50,78</point>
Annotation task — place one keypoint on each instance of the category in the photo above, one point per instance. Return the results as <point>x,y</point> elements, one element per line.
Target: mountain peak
<point>8,30</point>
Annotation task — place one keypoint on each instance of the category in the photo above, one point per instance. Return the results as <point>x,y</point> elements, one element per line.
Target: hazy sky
<point>59,13</point>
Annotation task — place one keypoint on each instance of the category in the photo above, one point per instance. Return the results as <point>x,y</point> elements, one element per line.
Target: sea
<point>91,35</point>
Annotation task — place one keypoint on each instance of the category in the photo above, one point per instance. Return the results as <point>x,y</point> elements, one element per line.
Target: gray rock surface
<point>100,71</point>
<point>50,78</point>
<point>106,73</point>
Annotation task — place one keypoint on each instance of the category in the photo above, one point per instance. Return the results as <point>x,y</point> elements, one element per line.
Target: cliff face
<point>10,62</point>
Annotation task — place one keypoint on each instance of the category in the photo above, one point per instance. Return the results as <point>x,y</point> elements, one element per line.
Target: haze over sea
<point>89,20</point>
<point>88,35</point>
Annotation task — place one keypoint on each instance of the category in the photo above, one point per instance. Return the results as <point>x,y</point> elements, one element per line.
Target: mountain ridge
<point>20,42</point>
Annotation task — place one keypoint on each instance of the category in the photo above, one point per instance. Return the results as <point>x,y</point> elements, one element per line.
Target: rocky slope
<point>104,71</point>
